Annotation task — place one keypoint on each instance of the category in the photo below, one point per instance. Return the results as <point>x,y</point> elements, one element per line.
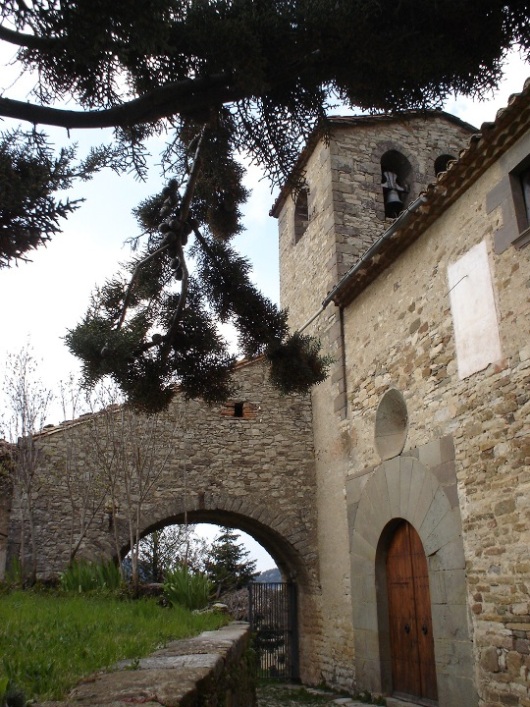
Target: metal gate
<point>272,616</point>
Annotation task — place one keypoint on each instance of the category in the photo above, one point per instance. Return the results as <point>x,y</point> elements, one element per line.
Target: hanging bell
<point>393,202</point>
<point>391,193</point>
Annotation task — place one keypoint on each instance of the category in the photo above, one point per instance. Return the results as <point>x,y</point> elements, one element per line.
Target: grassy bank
<point>47,642</point>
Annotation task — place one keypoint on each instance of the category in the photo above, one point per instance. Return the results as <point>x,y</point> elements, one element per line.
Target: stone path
<point>285,695</point>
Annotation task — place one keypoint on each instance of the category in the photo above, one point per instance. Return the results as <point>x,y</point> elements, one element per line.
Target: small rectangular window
<point>520,184</point>
<point>301,213</point>
<point>525,187</point>
<point>242,409</point>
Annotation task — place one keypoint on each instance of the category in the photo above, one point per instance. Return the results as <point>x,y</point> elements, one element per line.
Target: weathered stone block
<point>489,659</point>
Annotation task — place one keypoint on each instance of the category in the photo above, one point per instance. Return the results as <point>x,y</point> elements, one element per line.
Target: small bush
<point>87,576</point>
<point>189,589</point>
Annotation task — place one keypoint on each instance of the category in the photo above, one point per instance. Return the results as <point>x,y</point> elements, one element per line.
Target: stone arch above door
<point>406,488</point>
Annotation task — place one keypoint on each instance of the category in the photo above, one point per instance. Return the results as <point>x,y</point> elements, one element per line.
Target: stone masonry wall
<point>399,333</point>
<point>307,269</point>
<point>261,466</point>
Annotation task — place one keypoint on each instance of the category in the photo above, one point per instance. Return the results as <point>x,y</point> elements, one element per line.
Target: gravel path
<point>276,694</point>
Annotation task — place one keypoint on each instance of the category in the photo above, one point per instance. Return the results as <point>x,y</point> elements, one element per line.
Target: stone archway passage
<point>410,619</point>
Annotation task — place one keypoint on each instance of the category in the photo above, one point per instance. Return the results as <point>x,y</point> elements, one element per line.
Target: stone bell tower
<point>369,171</point>
<point>372,168</point>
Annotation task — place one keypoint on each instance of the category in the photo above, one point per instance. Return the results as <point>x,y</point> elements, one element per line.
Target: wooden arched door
<point>410,621</point>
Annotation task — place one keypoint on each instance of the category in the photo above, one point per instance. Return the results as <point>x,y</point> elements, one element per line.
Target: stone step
<point>397,702</point>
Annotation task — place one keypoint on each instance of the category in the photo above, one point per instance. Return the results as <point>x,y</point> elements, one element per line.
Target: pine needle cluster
<point>156,326</point>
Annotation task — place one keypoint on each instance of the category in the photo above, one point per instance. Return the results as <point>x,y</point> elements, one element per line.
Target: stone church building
<point>405,252</point>
<point>398,495</point>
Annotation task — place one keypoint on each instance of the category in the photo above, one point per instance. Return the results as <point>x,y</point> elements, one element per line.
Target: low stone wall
<point>214,669</point>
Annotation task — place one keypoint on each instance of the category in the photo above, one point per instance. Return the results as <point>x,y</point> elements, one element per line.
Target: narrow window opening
<point>525,188</point>
<point>301,214</point>
<point>242,409</point>
<point>520,187</point>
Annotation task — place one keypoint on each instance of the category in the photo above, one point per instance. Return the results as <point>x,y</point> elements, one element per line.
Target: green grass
<point>48,642</point>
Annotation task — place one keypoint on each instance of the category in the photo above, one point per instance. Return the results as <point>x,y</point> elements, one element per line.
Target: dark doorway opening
<point>273,622</point>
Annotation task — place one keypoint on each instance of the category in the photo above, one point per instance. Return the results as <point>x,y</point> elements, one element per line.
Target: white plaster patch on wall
<point>474,313</point>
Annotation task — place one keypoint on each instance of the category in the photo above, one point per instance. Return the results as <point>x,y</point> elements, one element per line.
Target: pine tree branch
<point>204,243</point>
<point>173,239</point>
<point>184,213</point>
<point>192,180</point>
<point>29,41</point>
<point>182,97</point>
<point>136,270</point>
<point>166,347</point>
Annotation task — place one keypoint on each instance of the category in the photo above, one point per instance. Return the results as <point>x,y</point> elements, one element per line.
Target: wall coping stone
<point>207,670</point>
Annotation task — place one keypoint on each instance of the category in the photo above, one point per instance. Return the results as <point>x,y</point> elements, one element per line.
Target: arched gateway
<point>248,464</point>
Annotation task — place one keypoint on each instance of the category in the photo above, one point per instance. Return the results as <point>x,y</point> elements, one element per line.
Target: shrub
<point>87,576</point>
<point>189,589</point>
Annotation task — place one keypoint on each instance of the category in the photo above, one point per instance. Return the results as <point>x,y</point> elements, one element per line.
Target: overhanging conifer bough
<point>258,75</point>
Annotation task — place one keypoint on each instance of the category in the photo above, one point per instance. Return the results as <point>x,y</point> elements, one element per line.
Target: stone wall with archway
<point>284,537</point>
<point>419,487</point>
<point>248,463</point>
